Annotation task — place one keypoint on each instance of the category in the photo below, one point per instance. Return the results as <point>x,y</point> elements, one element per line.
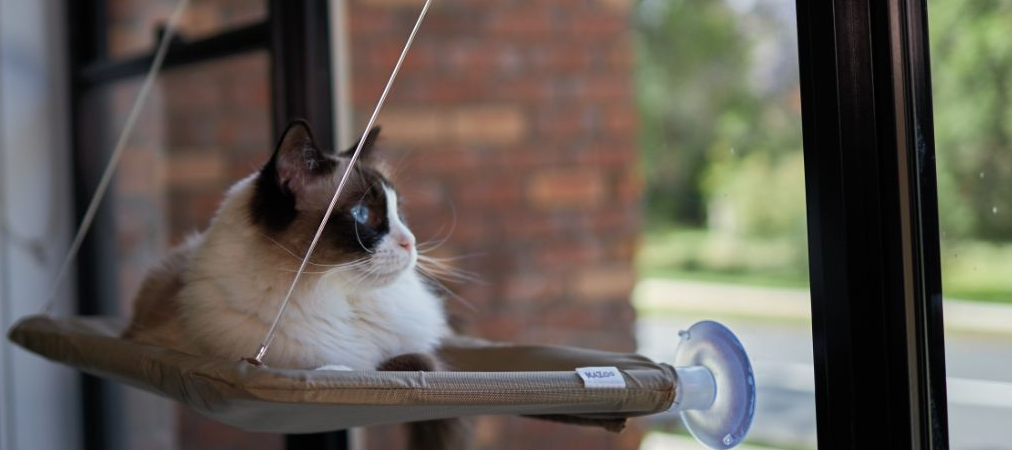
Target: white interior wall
<point>39,406</point>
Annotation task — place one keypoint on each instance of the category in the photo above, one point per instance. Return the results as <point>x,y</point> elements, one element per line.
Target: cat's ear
<point>367,148</point>
<point>297,160</point>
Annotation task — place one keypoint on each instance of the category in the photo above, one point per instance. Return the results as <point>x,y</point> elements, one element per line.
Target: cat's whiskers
<point>397,169</point>
<point>359,239</point>
<point>441,267</point>
<point>318,272</point>
<point>361,276</point>
<point>446,275</point>
<point>369,276</point>
<point>350,266</point>
<point>332,269</point>
<point>450,258</point>
<point>435,280</point>
<point>289,251</point>
<point>352,263</point>
<point>437,242</point>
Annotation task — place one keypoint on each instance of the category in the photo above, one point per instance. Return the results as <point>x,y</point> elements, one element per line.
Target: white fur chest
<point>360,331</point>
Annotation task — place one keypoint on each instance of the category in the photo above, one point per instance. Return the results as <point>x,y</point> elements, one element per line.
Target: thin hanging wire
<point>262,351</point>
<point>110,168</point>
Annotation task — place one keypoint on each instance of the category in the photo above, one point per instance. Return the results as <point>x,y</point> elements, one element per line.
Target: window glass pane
<point>133,24</point>
<point>971,75</point>
<point>725,236</point>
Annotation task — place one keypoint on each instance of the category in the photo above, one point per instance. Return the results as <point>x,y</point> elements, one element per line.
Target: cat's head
<point>366,240</point>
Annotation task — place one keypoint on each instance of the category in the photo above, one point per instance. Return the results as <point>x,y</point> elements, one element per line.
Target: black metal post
<point>873,225</point>
<point>337,440</point>
<point>300,46</point>
<point>301,88</point>
<point>87,41</point>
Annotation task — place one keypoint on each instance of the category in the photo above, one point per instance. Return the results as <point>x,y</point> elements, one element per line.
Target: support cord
<point>110,168</point>
<point>262,351</point>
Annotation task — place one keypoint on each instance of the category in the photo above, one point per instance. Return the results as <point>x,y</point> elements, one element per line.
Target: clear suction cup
<point>715,395</point>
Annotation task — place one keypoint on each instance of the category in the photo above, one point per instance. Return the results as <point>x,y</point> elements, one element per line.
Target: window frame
<point>875,265</point>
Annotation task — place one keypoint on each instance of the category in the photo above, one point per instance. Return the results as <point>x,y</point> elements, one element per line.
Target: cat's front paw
<point>337,367</point>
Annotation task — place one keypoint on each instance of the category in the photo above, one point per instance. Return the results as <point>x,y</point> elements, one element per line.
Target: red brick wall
<point>520,115</point>
<point>512,124</point>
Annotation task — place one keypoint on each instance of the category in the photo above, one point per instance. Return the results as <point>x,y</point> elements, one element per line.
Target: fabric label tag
<point>601,377</point>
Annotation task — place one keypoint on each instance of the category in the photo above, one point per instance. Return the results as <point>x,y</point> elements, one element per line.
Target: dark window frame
<point>873,224</point>
<point>870,182</point>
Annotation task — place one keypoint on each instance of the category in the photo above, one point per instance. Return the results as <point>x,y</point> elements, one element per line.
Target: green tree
<point>716,85</point>
<point>690,57</point>
<point>972,78</point>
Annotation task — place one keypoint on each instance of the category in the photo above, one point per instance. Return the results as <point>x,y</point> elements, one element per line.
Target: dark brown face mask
<point>295,186</point>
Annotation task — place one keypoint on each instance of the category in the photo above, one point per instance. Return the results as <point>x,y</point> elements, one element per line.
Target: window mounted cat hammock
<point>710,383</point>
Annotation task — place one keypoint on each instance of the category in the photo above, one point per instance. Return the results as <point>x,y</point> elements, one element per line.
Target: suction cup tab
<point>715,395</point>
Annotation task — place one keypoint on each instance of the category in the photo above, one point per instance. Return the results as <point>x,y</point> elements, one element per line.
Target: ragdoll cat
<point>360,305</point>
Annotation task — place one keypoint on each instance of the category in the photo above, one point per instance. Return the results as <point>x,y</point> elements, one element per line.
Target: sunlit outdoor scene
<point>720,143</point>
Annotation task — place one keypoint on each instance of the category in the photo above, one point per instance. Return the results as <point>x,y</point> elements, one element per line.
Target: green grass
<point>745,279</point>
<point>977,271</point>
<point>695,254</point>
<point>971,270</point>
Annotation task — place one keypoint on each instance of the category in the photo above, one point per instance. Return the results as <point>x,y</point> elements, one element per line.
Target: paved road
<point>979,369</point>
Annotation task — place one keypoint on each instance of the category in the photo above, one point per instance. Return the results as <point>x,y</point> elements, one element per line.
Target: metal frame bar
<point>873,225</point>
<point>228,43</point>
<point>301,68</point>
<point>86,20</point>
<point>301,88</point>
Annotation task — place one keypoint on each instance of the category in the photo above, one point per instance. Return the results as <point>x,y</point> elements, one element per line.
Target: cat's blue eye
<point>360,214</point>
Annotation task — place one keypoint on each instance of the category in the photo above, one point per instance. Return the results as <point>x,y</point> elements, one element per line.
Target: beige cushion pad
<point>487,378</point>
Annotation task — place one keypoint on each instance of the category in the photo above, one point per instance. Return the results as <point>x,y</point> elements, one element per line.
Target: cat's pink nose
<point>405,242</point>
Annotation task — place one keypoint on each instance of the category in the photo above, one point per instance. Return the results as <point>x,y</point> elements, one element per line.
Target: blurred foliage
<point>689,61</point>
<point>974,270</point>
<point>686,253</point>
<point>758,195</point>
<point>977,270</point>
<point>971,54</point>
<point>718,99</point>
<point>718,93</point>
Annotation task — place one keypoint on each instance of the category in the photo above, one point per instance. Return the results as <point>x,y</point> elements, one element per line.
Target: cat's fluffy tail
<point>443,434</point>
